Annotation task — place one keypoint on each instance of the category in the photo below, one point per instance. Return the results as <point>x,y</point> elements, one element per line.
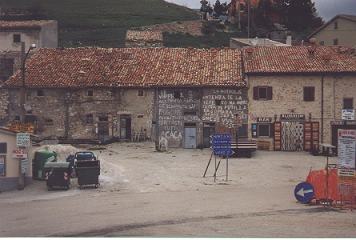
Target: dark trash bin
<point>88,173</point>
<point>71,160</point>
<point>57,175</point>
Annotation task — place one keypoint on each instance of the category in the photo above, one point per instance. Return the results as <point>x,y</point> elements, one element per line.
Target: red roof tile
<point>30,24</point>
<point>131,67</point>
<point>299,59</point>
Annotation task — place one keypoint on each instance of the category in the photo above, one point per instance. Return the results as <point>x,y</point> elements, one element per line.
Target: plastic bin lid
<point>57,165</point>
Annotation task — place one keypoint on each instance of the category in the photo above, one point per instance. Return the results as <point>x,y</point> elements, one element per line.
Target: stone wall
<point>180,108</point>
<point>76,113</point>
<point>288,98</point>
<point>4,104</point>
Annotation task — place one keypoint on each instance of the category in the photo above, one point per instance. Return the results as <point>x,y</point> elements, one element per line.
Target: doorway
<point>103,128</point>
<point>292,136</point>
<point>190,136</point>
<point>208,131</point>
<point>125,127</point>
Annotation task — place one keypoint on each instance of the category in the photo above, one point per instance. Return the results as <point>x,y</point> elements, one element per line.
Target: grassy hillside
<point>102,22</point>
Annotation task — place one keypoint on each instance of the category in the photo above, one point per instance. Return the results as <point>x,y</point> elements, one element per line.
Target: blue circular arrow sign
<point>304,192</point>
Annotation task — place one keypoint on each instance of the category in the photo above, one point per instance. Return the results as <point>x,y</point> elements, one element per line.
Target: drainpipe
<point>156,107</point>
<point>322,109</point>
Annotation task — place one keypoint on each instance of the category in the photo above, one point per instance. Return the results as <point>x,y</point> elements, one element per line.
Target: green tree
<point>263,13</point>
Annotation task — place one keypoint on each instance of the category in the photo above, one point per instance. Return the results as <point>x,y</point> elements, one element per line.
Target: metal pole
<point>248,18</point>
<point>227,168</point>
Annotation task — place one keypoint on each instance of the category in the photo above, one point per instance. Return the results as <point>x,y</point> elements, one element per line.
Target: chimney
<point>289,40</point>
<point>249,52</point>
<point>312,47</point>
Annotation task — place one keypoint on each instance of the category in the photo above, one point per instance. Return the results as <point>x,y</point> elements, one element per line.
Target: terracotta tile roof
<point>299,59</point>
<point>131,67</point>
<point>31,24</point>
<point>147,36</point>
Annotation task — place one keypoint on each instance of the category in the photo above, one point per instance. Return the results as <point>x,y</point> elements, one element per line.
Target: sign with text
<point>221,145</point>
<point>348,114</point>
<point>19,153</point>
<point>23,140</point>
<point>347,151</point>
<point>264,119</point>
<point>293,117</point>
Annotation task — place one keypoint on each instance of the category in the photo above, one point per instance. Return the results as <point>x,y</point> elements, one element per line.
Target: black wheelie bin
<point>57,175</point>
<point>88,173</point>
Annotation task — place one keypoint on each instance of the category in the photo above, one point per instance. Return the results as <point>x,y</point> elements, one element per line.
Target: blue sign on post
<point>304,192</point>
<point>221,145</point>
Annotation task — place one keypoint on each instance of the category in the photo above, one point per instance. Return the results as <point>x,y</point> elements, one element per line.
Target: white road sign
<point>347,150</point>
<point>23,140</point>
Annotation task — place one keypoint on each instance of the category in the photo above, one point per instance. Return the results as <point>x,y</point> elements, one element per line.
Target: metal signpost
<point>23,141</point>
<point>221,146</point>
<point>347,165</point>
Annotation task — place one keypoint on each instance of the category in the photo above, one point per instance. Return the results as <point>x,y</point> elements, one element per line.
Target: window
<point>264,130</point>
<point>262,93</point>
<point>218,102</point>
<point>336,41</point>
<point>103,118</point>
<point>3,148</point>
<point>49,122</point>
<point>89,119</point>
<point>336,25</point>
<point>176,94</point>
<point>309,94</point>
<point>40,93</point>
<point>140,116</point>
<point>140,93</point>
<point>322,43</point>
<point>90,93</point>
<point>6,68</point>
<point>348,103</point>
<point>17,38</point>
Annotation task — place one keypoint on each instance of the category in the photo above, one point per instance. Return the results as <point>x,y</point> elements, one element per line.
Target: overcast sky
<point>326,8</point>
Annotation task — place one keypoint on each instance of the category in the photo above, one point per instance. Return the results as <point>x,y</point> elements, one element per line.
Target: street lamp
<point>23,70</point>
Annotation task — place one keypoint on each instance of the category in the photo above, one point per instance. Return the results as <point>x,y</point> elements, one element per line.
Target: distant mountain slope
<point>102,22</point>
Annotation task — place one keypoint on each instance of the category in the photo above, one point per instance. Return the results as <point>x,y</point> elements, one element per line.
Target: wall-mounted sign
<point>292,117</point>
<point>347,151</point>
<point>23,140</point>
<point>348,114</point>
<point>264,119</point>
<point>19,153</point>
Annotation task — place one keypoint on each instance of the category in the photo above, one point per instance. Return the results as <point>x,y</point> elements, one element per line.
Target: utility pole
<point>248,18</point>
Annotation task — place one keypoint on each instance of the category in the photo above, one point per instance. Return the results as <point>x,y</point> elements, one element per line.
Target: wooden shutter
<point>269,93</point>
<point>315,135</point>
<point>307,136</point>
<point>277,136</point>
<point>255,93</point>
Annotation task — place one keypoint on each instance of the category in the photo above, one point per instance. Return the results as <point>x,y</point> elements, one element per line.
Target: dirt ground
<point>148,193</point>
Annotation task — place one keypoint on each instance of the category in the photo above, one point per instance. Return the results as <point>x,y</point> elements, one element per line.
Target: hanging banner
<point>347,152</point>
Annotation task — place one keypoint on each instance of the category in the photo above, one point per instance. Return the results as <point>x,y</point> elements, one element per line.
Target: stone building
<point>43,33</point>
<point>339,31</point>
<point>297,94</point>
<point>129,93</point>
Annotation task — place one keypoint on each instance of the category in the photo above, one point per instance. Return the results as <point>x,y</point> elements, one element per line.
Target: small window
<point>140,116</point>
<point>40,93</point>
<point>336,25</point>
<point>17,118</point>
<point>262,93</point>
<point>322,43</point>
<point>264,130</point>
<point>309,94</point>
<point>3,148</point>
<point>17,38</point>
<point>103,118</point>
<point>90,93</point>
<point>336,41</point>
<point>348,103</point>
<point>218,102</point>
<point>49,122</point>
<point>89,119</point>
<point>176,94</point>
<point>140,93</point>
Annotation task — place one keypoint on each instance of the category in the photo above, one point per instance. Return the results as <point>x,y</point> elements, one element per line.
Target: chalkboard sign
<point>221,145</point>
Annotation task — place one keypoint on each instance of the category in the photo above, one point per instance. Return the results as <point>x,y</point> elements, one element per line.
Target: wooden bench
<point>243,148</point>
